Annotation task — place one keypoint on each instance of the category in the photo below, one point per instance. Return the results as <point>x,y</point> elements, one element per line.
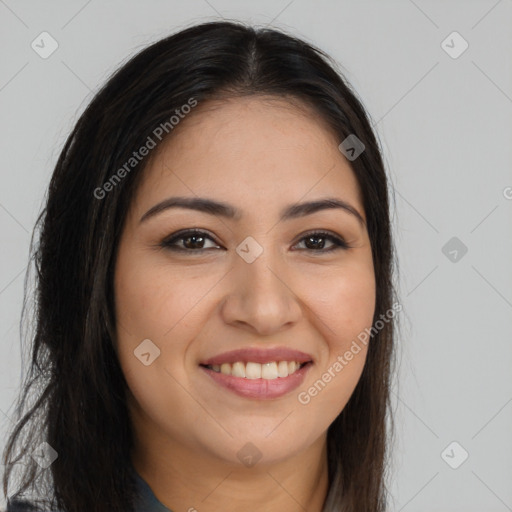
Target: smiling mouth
<point>251,370</point>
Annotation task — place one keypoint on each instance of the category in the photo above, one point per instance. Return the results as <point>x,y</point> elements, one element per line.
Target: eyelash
<point>170,242</point>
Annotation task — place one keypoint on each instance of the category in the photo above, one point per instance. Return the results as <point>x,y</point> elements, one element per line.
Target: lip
<point>261,389</point>
<point>259,355</point>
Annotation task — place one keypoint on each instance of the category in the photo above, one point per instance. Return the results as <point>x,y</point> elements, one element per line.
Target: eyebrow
<point>219,208</point>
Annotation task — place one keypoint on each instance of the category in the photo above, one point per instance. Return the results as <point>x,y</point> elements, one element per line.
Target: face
<point>253,292</point>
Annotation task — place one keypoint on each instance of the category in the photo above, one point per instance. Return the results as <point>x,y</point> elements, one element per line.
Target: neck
<point>184,479</point>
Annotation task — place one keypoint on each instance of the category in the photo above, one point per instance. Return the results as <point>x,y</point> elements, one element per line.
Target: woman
<point>215,299</point>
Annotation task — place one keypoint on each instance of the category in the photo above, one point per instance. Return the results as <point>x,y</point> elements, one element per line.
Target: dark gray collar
<point>147,501</point>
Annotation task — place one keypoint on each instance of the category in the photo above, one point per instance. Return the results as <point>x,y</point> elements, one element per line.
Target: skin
<point>260,155</point>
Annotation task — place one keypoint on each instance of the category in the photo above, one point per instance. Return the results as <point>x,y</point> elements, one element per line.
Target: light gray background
<point>446,127</point>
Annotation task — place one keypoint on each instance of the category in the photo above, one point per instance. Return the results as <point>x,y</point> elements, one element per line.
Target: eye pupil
<point>315,237</point>
<point>195,238</point>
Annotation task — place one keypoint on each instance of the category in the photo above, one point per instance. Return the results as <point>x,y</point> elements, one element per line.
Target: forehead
<point>251,147</point>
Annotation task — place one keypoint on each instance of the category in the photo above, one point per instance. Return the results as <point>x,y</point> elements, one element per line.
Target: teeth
<point>268,371</point>
<point>238,370</point>
<point>282,369</point>
<point>292,366</point>
<point>253,371</point>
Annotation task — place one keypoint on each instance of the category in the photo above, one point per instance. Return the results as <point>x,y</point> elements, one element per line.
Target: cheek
<point>354,305</point>
<point>345,303</point>
<point>344,306</point>
<point>152,301</point>
<point>163,305</point>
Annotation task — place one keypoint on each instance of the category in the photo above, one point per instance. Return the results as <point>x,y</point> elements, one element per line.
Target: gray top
<point>147,501</point>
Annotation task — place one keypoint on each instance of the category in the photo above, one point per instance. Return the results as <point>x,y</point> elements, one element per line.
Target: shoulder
<point>19,506</point>
<point>24,506</point>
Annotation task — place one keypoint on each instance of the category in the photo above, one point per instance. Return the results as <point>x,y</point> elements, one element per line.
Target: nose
<point>261,298</point>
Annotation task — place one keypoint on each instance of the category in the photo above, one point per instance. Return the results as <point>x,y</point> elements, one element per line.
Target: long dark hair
<point>73,395</point>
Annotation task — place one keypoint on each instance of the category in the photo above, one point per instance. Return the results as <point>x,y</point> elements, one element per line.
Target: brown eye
<point>189,241</point>
<point>316,242</point>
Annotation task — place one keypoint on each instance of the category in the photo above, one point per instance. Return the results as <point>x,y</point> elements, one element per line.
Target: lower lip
<point>262,389</point>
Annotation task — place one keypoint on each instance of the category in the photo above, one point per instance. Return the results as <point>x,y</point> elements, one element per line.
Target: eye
<point>194,241</point>
<point>311,239</point>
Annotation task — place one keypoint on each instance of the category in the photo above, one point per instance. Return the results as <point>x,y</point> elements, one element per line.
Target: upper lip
<point>258,355</point>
